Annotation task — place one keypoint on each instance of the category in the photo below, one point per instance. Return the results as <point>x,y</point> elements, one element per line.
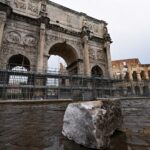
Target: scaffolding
<point>23,84</point>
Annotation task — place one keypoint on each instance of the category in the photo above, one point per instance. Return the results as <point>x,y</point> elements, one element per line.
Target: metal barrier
<point>22,84</point>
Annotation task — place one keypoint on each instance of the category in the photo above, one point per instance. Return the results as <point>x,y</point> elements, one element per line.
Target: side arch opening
<point>97,71</point>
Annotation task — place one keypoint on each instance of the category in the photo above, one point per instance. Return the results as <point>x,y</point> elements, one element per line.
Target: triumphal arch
<point>33,30</point>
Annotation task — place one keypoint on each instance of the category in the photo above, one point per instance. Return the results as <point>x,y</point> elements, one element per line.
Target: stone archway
<point>69,54</point>
<point>19,66</point>
<point>18,60</point>
<point>134,75</point>
<point>97,71</point>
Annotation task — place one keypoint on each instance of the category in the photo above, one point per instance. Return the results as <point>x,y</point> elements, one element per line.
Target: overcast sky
<point>128,24</point>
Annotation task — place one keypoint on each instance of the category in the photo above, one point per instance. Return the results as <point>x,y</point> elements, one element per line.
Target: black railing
<point>21,84</point>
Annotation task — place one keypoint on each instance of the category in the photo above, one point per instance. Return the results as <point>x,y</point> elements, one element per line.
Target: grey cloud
<point>128,24</point>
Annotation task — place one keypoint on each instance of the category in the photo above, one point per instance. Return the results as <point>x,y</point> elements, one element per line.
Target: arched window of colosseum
<point>129,91</point>
<point>126,76</point>
<point>142,75</point>
<point>137,90</point>
<point>134,75</point>
<point>97,71</point>
<point>146,91</point>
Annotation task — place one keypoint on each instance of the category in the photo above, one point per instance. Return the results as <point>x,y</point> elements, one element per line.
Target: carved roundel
<point>13,37</point>
<point>30,40</point>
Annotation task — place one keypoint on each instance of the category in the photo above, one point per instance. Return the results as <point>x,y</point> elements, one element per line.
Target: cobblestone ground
<point>38,127</point>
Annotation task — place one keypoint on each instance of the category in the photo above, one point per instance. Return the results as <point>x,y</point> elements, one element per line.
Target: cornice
<point>26,19</point>
<point>33,21</point>
<point>76,12</point>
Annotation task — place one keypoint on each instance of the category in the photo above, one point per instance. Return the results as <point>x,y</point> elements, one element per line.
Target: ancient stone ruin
<point>32,31</point>
<point>92,123</point>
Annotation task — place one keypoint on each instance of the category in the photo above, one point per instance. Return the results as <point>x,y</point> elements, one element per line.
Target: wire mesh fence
<point>23,84</point>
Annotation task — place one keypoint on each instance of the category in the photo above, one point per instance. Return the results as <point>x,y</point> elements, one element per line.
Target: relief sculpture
<point>33,8</point>
<point>92,54</point>
<point>101,55</point>
<point>91,26</point>
<point>13,37</point>
<point>30,40</point>
<point>20,4</point>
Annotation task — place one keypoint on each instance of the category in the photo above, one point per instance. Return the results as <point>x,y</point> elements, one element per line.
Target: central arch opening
<point>65,56</point>
<point>63,61</point>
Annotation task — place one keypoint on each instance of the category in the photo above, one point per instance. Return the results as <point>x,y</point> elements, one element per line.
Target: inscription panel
<point>26,7</point>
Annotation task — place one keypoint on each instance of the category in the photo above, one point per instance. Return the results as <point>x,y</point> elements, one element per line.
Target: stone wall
<point>136,113</point>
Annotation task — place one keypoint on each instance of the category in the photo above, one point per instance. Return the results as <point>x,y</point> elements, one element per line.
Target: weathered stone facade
<point>135,76</point>
<point>32,30</point>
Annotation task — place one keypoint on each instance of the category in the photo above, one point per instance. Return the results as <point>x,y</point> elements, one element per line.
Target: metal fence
<point>23,84</point>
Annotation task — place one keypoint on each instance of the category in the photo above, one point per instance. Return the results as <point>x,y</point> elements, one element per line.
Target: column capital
<point>44,20</point>
<point>107,38</point>
<point>42,26</point>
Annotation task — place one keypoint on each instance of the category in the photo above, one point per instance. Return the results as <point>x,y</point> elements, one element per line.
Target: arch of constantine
<point>31,31</point>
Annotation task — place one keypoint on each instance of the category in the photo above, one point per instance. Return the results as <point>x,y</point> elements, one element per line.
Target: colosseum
<point>135,77</point>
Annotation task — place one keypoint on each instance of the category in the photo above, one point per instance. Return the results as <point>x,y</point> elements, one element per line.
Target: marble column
<point>146,75</point>
<point>130,73</point>
<point>2,25</point>
<point>40,59</point>
<point>107,46</point>
<point>139,76</point>
<point>86,60</point>
<point>80,68</point>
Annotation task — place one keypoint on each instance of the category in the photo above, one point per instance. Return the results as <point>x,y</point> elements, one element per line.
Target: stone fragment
<point>92,123</point>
